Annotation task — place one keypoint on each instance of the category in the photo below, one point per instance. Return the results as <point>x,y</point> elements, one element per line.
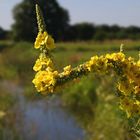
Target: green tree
<point>81,31</point>
<point>25,27</point>
<point>3,33</point>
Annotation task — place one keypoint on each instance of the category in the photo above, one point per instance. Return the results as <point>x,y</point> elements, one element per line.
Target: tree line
<point>57,21</point>
<point>89,31</point>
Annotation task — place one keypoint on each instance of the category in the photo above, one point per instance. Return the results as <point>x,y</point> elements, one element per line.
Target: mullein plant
<point>48,79</point>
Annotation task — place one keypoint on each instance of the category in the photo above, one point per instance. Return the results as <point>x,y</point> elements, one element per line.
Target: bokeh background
<point>85,110</point>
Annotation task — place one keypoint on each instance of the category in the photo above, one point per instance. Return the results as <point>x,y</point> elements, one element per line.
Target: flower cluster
<point>42,63</point>
<point>44,40</point>
<point>47,79</point>
<point>128,72</point>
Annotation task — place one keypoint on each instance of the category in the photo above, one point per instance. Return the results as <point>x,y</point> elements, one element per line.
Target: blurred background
<point>85,110</point>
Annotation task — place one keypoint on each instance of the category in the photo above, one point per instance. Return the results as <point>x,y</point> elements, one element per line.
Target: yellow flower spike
<point>40,19</point>
<point>43,38</point>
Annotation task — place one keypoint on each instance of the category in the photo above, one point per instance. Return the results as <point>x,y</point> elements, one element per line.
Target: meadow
<point>91,101</point>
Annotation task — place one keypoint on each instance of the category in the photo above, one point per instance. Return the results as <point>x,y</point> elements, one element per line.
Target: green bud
<point>40,19</point>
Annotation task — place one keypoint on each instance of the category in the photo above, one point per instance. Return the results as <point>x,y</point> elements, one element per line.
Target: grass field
<point>91,100</point>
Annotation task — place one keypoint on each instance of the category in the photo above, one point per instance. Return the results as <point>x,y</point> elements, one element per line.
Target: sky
<point>121,12</point>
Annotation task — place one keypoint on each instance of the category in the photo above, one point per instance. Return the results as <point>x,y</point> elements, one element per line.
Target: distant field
<point>22,55</point>
<point>81,51</point>
<point>102,46</point>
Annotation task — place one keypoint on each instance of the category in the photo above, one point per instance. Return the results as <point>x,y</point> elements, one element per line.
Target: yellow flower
<point>43,39</point>
<point>37,65</point>
<point>43,61</point>
<point>44,81</point>
<point>67,70</point>
<point>134,73</point>
<point>138,64</point>
<point>49,41</point>
<point>90,65</point>
<point>102,64</point>
<point>125,87</point>
<point>116,56</point>
<point>137,89</point>
<point>40,39</point>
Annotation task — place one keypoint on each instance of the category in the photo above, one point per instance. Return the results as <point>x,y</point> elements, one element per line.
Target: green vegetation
<point>95,107</point>
<point>91,101</point>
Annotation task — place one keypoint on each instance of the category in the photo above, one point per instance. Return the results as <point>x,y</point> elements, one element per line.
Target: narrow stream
<point>44,119</point>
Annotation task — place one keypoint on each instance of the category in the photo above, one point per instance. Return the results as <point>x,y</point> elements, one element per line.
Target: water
<point>44,119</point>
<point>50,121</point>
